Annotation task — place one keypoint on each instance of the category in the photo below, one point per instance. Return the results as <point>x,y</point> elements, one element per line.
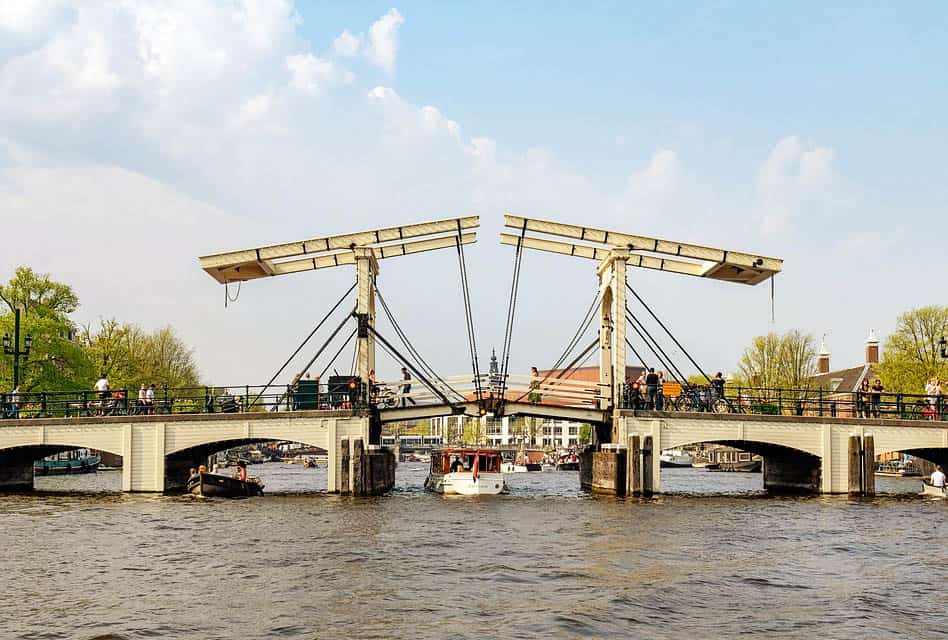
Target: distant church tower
<point>494,370</point>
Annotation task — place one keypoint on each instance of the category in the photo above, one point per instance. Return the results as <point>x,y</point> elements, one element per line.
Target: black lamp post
<point>944,347</point>
<point>15,349</point>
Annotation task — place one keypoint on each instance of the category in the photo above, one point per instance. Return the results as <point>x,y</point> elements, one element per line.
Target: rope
<point>394,353</point>
<point>511,310</point>
<point>419,360</point>
<point>670,335</point>
<point>319,352</point>
<point>303,344</point>
<point>227,297</point>
<point>583,328</point>
<point>331,362</point>
<point>468,315</point>
<point>654,347</point>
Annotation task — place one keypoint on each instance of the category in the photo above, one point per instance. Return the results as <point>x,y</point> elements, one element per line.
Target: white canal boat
<point>675,458</point>
<point>466,472</point>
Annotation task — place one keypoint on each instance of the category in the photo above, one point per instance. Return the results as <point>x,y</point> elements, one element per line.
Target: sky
<point>137,136</point>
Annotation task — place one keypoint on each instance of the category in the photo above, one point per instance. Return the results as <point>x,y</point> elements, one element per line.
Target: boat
<point>897,469</point>
<point>928,489</point>
<point>675,458</point>
<point>71,462</point>
<point>735,460</point>
<point>220,486</point>
<point>466,472</point>
<point>509,466</point>
<point>567,462</point>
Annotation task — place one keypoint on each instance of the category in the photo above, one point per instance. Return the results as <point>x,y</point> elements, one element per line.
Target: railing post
<point>246,406</point>
<point>168,409</point>
<point>833,408</point>
<point>125,402</point>
<point>899,404</point>
<point>43,404</point>
<point>85,402</point>
<point>780,402</point>
<point>821,401</point>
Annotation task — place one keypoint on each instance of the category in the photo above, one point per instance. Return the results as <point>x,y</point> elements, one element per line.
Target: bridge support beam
<point>367,268</point>
<point>796,474</point>
<point>16,471</point>
<point>612,349</point>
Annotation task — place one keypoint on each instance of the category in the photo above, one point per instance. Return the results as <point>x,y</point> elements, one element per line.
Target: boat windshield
<point>448,461</point>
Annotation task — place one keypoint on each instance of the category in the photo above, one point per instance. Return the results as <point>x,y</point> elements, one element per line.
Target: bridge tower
<point>614,252</point>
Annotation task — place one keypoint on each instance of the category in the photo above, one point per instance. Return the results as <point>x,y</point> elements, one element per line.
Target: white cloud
<point>254,110</point>
<point>30,16</point>
<point>311,75</point>
<point>794,172</point>
<point>347,44</point>
<point>383,40</point>
<point>658,177</point>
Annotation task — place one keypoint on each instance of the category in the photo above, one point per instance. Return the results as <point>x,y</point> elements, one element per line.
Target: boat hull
<point>213,485</point>
<point>462,483</point>
<point>567,466</point>
<point>935,492</point>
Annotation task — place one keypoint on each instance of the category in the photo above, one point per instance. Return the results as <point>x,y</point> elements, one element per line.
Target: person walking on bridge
<point>651,387</point>
<point>406,388</point>
<point>15,403</point>
<point>875,395</point>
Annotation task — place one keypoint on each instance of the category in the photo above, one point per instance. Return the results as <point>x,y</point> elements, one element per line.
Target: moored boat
<point>64,463</point>
<point>466,472</point>
<point>219,486</point>
<point>928,489</point>
<point>675,458</point>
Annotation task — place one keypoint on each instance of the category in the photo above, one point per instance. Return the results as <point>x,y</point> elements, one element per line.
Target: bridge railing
<point>790,402</point>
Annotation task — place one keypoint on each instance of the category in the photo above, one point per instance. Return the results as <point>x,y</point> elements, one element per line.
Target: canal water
<point>715,558</point>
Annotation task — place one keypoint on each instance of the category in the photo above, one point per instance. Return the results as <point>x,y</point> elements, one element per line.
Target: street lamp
<point>13,348</point>
<point>944,347</point>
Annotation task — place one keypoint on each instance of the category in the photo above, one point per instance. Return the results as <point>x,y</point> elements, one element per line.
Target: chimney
<point>823,360</point>
<point>872,348</point>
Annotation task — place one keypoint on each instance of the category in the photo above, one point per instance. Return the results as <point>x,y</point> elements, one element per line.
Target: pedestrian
<point>102,386</point>
<point>406,388</point>
<point>15,403</point>
<point>150,399</point>
<point>140,402</point>
<point>862,399</point>
<point>717,385</point>
<point>534,395</point>
<point>875,395</point>
<point>660,397</point>
<point>651,388</point>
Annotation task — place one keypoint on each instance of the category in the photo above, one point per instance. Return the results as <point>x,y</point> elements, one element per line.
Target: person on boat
<point>192,472</point>
<point>938,477</point>
<point>242,471</point>
<point>457,465</point>
<point>202,469</point>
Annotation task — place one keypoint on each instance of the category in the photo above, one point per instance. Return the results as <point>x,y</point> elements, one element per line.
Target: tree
<point>473,432</point>
<point>56,361</point>
<point>778,361</point>
<point>585,434</point>
<point>911,354</point>
<point>129,356</point>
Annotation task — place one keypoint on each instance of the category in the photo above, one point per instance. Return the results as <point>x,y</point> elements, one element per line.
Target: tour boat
<point>466,472</point>
<point>82,461</point>
<point>509,466</point>
<point>220,486</point>
<point>930,490</point>
<point>675,458</point>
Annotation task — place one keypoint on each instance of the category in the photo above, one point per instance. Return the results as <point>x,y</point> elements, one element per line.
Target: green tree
<point>585,435</point>
<point>778,361</point>
<point>56,361</point>
<point>911,354</point>
<point>473,432</point>
<point>130,356</point>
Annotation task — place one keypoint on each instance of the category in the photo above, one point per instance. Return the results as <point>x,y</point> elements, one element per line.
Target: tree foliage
<point>63,357</point>
<point>773,360</point>
<point>56,361</point>
<point>131,356</point>
<point>911,354</point>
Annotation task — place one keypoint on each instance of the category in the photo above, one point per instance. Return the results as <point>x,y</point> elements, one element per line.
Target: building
<point>846,381</point>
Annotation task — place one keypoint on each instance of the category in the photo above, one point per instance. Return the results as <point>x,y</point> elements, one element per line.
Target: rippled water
<point>545,561</point>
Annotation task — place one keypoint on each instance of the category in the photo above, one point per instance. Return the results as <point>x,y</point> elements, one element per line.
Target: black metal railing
<point>178,400</point>
<point>788,402</point>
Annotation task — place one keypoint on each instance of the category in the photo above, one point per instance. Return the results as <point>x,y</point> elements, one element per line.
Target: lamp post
<point>15,349</point>
<point>943,344</point>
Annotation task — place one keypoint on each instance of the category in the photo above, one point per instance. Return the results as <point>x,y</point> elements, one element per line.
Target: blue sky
<point>814,132</point>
